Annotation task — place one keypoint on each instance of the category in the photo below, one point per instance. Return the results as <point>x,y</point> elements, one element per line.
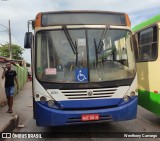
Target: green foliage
<point>17,51</point>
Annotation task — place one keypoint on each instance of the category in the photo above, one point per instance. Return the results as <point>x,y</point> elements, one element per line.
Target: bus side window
<point>147,44</point>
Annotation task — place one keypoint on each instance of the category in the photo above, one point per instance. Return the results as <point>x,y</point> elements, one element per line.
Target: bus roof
<point>146,23</point>
<point>44,19</point>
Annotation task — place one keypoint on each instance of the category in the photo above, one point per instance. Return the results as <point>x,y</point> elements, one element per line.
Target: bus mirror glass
<point>28,40</point>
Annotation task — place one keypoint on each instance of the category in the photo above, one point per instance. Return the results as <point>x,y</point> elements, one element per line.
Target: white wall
<point>2,91</point>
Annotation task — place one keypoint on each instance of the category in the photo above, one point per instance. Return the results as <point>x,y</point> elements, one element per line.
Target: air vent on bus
<point>89,93</point>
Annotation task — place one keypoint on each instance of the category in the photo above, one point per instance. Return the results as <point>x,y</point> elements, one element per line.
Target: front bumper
<point>46,116</point>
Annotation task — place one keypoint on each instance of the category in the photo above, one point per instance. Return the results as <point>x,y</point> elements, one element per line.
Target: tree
<point>16,50</point>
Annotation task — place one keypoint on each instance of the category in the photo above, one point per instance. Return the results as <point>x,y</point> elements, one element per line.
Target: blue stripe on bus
<point>46,116</point>
<point>91,103</point>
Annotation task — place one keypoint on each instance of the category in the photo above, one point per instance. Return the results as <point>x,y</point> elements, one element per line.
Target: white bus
<point>83,67</point>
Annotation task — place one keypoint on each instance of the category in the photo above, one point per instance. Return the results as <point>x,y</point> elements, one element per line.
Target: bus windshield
<point>105,54</point>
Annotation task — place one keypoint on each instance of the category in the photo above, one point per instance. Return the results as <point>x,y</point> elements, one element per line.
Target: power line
<point>14,37</point>
<point>17,39</point>
<point>9,33</point>
<point>3,31</point>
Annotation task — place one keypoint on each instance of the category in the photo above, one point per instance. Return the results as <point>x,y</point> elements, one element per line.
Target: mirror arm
<point>30,22</point>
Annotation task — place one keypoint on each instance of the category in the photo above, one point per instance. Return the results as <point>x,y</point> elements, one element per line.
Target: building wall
<point>2,92</point>
<point>22,79</point>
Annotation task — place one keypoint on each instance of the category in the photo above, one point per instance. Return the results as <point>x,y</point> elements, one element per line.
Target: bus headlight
<point>132,93</point>
<point>126,98</point>
<point>42,98</point>
<point>51,103</point>
<point>37,95</point>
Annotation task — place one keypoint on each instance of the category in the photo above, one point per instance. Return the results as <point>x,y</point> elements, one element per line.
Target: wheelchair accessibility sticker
<point>82,75</point>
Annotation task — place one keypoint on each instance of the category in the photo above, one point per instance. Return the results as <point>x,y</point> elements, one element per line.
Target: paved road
<point>145,122</point>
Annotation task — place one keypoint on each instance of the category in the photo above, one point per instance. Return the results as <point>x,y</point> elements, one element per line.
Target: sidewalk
<point>9,121</point>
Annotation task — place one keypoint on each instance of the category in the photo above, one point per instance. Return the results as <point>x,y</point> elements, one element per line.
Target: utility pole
<point>10,43</point>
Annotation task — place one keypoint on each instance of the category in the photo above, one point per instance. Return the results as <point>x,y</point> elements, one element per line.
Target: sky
<point>20,11</point>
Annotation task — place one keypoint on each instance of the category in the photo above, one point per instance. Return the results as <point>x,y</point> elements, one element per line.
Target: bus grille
<point>89,93</point>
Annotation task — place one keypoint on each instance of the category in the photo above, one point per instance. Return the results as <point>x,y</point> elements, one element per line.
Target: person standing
<point>10,76</point>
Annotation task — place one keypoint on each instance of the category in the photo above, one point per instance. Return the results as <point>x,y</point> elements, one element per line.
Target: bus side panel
<point>149,101</point>
<point>148,83</point>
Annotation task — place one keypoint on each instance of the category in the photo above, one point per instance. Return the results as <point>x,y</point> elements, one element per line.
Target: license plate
<point>89,117</point>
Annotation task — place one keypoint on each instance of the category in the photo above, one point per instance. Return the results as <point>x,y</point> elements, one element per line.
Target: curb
<point>12,124</point>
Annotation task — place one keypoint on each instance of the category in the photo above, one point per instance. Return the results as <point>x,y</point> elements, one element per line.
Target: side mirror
<point>28,40</point>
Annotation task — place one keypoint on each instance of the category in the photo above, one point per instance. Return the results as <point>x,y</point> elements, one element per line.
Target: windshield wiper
<point>73,46</point>
<point>98,49</point>
<point>102,37</point>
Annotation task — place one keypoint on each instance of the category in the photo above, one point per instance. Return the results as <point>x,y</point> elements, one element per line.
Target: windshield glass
<point>84,55</point>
